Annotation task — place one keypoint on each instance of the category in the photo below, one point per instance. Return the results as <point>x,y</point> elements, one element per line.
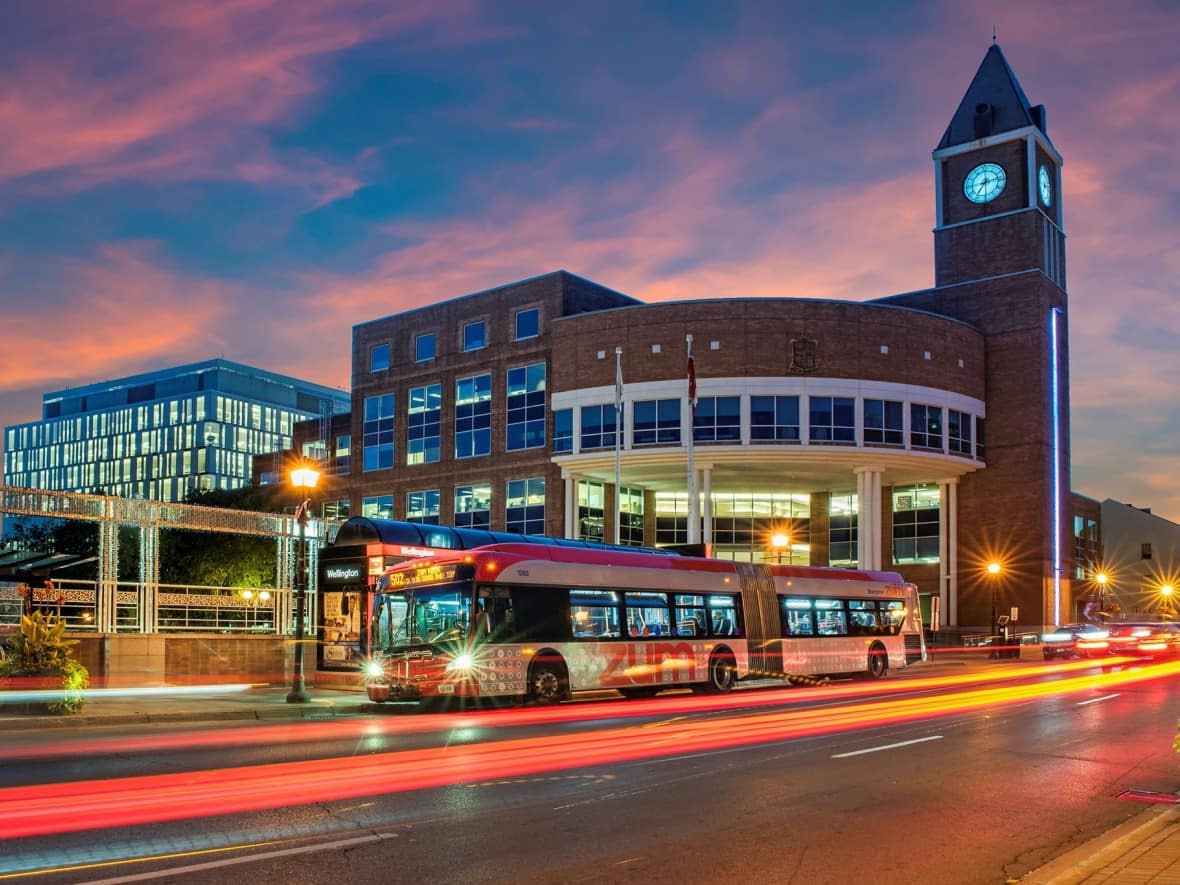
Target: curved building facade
<point>926,432</point>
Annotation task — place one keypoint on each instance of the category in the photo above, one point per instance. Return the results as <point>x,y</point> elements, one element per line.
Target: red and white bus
<point>537,622</point>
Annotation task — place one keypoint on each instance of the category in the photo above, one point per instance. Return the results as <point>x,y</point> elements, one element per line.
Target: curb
<point>1084,861</point>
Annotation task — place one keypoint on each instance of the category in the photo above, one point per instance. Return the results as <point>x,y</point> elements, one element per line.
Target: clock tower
<point>997,184</point>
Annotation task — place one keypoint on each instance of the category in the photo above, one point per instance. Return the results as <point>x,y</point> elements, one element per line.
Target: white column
<point>707,492</point>
<point>570,481</point>
<point>868,516</point>
<point>948,530</point>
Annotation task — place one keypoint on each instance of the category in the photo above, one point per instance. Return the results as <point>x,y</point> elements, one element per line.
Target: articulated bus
<point>536,623</point>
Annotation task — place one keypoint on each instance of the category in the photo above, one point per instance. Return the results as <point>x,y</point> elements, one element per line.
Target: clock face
<point>984,183</point>
<point>1046,185</point>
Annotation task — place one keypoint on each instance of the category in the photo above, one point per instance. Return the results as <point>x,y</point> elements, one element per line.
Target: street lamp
<point>779,541</point>
<point>303,479</point>
<point>1100,579</point>
<point>993,569</point>
<point>1167,593</point>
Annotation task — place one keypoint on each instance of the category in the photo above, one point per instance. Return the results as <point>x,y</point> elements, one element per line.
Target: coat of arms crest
<point>804,355</point>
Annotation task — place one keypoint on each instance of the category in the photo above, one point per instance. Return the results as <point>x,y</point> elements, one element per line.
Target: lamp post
<point>778,541</point>
<point>993,569</point>
<point>1167,592</point>
<point>1100,579</point>
<point>303,479</point>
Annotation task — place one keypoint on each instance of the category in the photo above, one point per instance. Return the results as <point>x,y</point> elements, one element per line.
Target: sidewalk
<point>186,703</point>
<point>1145,850</point>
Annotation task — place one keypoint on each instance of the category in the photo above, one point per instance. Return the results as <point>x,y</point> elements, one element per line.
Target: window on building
<point>563,431</point>
<point>525,506</point>
<point>631,517</point>
<point>379,358</point>
<point>745,522</point>
<point>883,422</point>
<point>336,509</point>
<point>378,432</point>
<point>774,418</point>
<point>598,427</point>
<point>958,431</point>
<point>380,506</point>
<point>591,510</point>
<point>915,524</point>
<point>671,518</point>
<point>656,422</point>
<point>475,336</point>
<point>424,347</point>
<point>842,531</point>
<point>528,323</point>
<point>473,506</point>
<point>526,407</point>
<point>925,426</point>
<point>833,418</point>
<point>342,456</point>
<point>473,416</point>
<point>717,419</point>
<point>979,439</point>
<point>1145,550</point>
<point>423,442</point>
<point>423,506</point>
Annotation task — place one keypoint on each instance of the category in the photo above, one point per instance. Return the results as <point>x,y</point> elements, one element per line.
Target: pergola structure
<point>149,517</point>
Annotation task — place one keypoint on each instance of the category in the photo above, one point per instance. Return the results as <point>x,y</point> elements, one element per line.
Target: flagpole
<point>694,505</point>
<point>618,441</point>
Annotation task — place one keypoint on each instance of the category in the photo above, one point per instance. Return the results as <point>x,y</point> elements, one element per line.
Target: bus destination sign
<point>426,574</point>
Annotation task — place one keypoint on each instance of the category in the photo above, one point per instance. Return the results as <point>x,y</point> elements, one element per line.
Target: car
<point>1061,642</point>
<point>1144,639</point>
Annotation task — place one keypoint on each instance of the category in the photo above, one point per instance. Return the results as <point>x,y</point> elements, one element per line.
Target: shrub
<point>41,649</point>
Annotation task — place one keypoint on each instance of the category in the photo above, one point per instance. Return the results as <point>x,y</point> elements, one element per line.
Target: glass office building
<point>160,434</point>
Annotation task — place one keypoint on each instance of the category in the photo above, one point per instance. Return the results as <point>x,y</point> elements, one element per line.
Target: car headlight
<point>462,662</point>
<point>374,669</point>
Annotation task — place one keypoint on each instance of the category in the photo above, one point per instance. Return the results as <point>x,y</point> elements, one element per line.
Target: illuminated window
<point>378,505</point>
<point>473,506</point>
<point>591,510</point>
<point>423,506</point>
<point>525,506</point>
<point>842,531</point>
<point>915,524</point>
<point>423,422</point>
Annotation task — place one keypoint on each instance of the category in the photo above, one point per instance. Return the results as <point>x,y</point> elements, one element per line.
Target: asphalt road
<point>957,781</point>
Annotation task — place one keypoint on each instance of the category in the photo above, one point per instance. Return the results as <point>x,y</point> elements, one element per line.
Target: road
<point>969,774</point>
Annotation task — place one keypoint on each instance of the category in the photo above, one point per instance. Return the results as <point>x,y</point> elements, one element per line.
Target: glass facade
<point>473,506</point>
<point>161,434</point>
<point>525,510</point>
<point>526,407</point>
<point>915,523</point>
<point>423,423</point>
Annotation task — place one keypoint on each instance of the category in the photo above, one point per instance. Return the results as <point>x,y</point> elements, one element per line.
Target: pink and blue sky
<point>250,178</point>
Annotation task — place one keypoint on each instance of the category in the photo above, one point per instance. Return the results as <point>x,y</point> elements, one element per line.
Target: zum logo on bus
<point>644,663</point>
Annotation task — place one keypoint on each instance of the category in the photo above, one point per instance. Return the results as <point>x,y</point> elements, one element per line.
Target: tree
<point>218,559</point>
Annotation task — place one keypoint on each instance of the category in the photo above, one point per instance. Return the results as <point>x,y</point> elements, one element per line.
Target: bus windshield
<point>420,616</point>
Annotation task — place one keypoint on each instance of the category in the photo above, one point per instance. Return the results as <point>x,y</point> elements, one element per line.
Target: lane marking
<point>1105,697</point>
<point>933,737</point>
<point>250,858</point>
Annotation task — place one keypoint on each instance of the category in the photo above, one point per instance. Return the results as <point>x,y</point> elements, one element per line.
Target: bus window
<point>894,616</point>
<point>594,614</point>
<point>389,622</point>
<point>647,614</point>
<point>862,617</point>
<point>723,616</point>
<point>690,615</point>
<point>797,617</point>
<point>830,617</point>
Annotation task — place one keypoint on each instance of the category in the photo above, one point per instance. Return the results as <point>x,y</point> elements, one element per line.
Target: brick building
<point>852,433</point>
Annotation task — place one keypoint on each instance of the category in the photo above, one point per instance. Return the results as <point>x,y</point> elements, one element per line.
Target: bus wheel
<point>547,684</point>
<point>722,673</point>
<point>878,661</point>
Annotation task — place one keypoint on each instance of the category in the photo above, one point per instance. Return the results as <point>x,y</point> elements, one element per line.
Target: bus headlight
<point>374,669</point>
<point>462,662</point>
